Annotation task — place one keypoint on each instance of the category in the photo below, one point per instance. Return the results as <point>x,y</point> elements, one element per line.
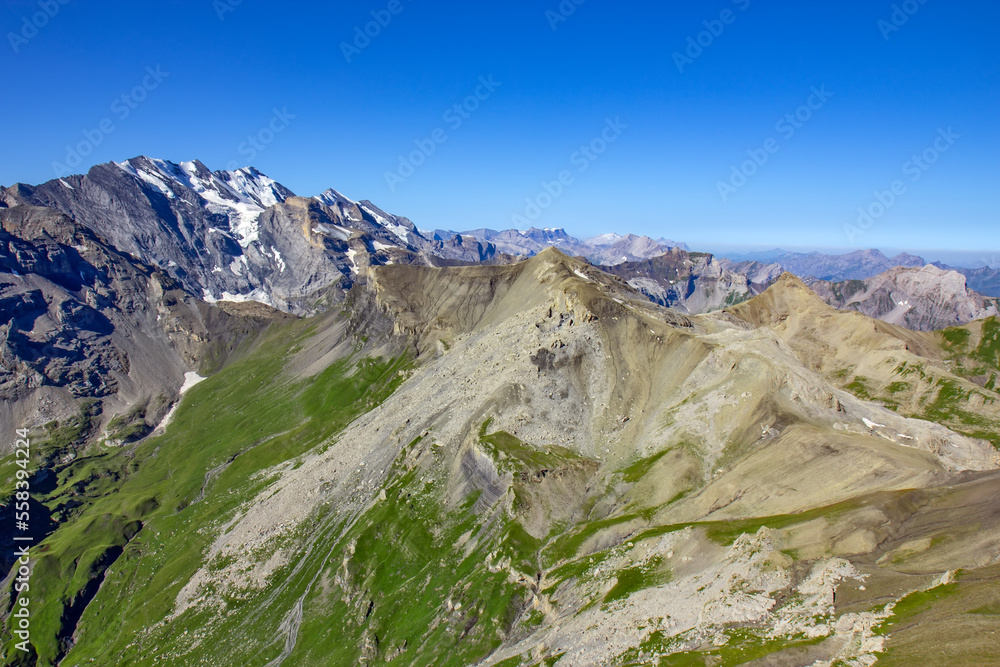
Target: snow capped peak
<point>252,185</point>
<point>150,171</point>
<point>241,195</point>
<point>347,208</point>
<point>331,198</point>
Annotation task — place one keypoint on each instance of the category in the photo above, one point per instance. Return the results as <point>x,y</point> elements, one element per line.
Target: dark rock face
<point>79,319</point>
<point>183,219</point>
<point>54,305</point>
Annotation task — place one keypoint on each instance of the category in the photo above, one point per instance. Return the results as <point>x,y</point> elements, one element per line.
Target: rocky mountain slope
<point>694,282</point>
<point>239,235</point>
<point>81,321</point>
<point>532,464</point>
<point>427,452</point>
<point>924,299</point>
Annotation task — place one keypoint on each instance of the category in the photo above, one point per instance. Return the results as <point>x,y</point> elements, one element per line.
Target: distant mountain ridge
<point>924,298</point>
<point>606,249</point>
<point>242,236</point>
<point>857,265</point>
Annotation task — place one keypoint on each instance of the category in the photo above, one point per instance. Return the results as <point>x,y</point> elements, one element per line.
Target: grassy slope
<point>914,389</point>
<point>390,579</point>
<point>138,502</point>
<point>434,585</point>
<point>951,624</point>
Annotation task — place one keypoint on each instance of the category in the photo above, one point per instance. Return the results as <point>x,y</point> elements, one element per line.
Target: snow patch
<point>156,182</point>
<point>278,260</point>
<point>190,380</point>
<point>335,231</point>
<point>332,198</point>
<point>236,266</point>
<point>397,229</point>
<point>258,295</point>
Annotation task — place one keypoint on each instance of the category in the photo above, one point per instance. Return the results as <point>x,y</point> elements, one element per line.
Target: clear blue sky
<point>660,176</point>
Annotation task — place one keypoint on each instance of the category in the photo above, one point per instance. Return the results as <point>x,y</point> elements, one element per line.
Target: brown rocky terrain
<point>702,485</point>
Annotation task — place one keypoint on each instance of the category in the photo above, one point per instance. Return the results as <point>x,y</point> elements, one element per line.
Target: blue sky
<point>673,128</point>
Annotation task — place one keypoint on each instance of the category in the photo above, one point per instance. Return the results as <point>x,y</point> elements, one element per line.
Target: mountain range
<point>608,249</point>
<point>117,279</point>
<point>923,299</point>
<point>856,265</point>
<point>278,430</point>
<point>861,265</point>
